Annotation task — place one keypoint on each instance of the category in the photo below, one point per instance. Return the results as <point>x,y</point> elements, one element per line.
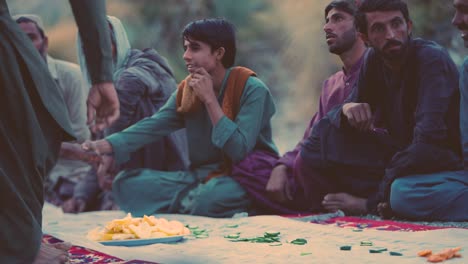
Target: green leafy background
<point>282,41</point>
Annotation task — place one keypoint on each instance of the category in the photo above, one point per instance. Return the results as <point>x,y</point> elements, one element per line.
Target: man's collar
<point>356,66</point>
<point>52,67</point>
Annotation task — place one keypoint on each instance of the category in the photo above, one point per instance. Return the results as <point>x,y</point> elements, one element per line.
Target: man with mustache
<point>460,20</point>
<point>441,195</point>
<point>401,120</point>
<point>270,182</point>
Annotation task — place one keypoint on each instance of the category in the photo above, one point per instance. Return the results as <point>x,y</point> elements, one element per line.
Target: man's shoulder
<point>465,63</point>
<point>256,82</point>
<point>429,54</point>
<point>150,59</point>
<point>427,48</point>
<point>63,69</point>
<point>334,80</point>
<point>464,73</point>
<point>335,76</point>
<point>66,66</point>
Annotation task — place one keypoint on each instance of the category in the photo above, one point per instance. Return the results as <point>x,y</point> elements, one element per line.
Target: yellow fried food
<point>138,228</point>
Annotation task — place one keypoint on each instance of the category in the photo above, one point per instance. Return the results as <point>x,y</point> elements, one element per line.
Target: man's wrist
<point>104,147</point>
<point>80,199</point>
<point>211,101</point>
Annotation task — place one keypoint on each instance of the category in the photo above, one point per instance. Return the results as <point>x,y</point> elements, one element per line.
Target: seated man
<point>270,182</point>
<point>441,196</point>
<point>401,120</point>
<point>227,113</point>
<point>144,82</point>
<point>460,20</point>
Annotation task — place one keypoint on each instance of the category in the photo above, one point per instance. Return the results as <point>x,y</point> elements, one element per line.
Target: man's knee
<point>221,197</point>
<point>407,201</point>
<point>398,197</point>
<point>122,181</point>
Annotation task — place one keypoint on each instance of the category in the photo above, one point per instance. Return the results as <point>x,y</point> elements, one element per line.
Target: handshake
<point>106,168</point>
<point>97,153</point>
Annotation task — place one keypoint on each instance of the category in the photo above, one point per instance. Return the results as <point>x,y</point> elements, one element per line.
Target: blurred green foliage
<point>432,20</point>
<point>281,40</point>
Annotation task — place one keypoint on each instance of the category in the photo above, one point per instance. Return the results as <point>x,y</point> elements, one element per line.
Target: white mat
<point>323,241</point>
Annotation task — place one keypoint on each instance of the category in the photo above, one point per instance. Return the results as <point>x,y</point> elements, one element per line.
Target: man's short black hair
<point>346,6</point>
<point>368,6</point>
<point>217,33</point>
<point>28,20</point>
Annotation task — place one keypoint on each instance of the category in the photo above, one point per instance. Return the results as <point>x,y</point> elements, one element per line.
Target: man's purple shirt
<point>334,91</point>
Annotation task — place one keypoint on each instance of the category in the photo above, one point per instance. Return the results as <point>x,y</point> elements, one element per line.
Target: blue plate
<point>141,242</point>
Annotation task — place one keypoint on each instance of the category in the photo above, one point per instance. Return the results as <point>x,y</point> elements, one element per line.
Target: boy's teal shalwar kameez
<point>145,191</point>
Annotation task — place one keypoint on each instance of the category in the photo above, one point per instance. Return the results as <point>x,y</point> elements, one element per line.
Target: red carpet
<point>86,255</point>
<point>386,225</point>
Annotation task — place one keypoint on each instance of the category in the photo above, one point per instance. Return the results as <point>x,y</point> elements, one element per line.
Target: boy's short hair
<point>216,32</point>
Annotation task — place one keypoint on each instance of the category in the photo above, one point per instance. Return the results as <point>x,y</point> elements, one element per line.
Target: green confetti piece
<point>357,230</point>
<point>268,237</point>
<point>232,225</point>
<point>393,253</point>
<point>306,253</point>
<point>232,236</point>
<point>199,232</point>
<point>271,234</point>
<point>366,243</point>
<point>276,244</point>
<point>192,226</point>
<point>240,240</point>
<point>377,250</point>
<point>345,248</point>
<point>265,240</point>
<point>299,241</point>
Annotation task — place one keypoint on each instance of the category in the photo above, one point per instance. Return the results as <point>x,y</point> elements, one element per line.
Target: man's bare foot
<point>349,204</point>
<point>53,254</point>
<point>62,246</point>
<point>384,210</point>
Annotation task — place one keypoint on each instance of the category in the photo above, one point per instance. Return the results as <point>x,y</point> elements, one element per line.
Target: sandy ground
<point>323,242</point>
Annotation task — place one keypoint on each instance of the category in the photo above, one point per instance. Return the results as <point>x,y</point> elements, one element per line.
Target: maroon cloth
<point>254,171</point>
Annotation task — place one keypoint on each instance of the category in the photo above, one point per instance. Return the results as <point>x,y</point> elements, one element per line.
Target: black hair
<point>28,20</point>
<point>217,33</point>
<point>379,5</point>
<point>346,6</point>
